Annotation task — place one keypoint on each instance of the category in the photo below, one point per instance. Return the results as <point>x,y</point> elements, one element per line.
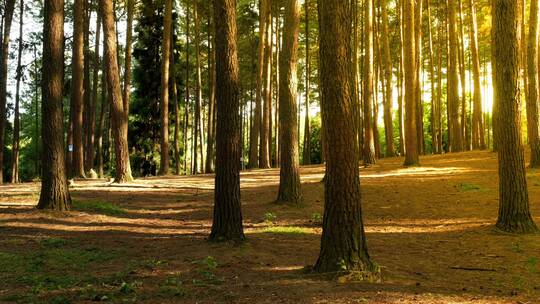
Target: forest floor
<point>429,228</point>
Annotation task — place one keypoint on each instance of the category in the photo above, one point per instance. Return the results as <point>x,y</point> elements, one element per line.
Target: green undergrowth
<point>99,207</point>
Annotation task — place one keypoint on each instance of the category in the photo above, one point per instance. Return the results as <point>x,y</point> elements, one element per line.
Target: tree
<point>514,213</point>
<point>411,144</point>
<point>77,90</point>
<point>454,125</point>
<point>532,88</point>
<point>165,50</point>
<point>265,136</point>
<point>128,54</point>
<point>478,138</point>
<point>119,123</point>
<point>289,182</point>
<point>369,142</point>
<point>17,119</point>
<point>388,77</point>
<point>198,142</point>
<point>306,157</point>
<point>227,222</point>
<point>343,241</point>
<point>9,7</point>
<point>54,188</point>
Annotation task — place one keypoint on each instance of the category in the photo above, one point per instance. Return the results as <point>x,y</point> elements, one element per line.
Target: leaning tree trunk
<point>289,182</point>
<point>514,213</point>
<point>227,223</point>
<point>411,144</point>
<point>17,120</point>
<point>119,118</point>
<point>77,90</point>
<point>343,242</point>
<point>166,50</point>
<point>532,92</point>
<point>54,188</point>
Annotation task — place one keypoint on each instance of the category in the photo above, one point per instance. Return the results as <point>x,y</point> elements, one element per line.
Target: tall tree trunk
<point>388,73</point>
<point>419,66</point>
<point>128,54</point>
<point>9,7</point>
<point>211,99</point>
<point>369,143</point>
<point>119,118</point>
<point>101,121</point>
<point>306,157</point>
<point>265,136</point>
<point>198,140</point>
<point>343,241</point>
<point>466,134</point>
<point>456,134</point>
<point>176,103</point>
<point>165,61</point>
<point>186,105</point>
<point>54,188</point>
<point>514,213</point>
<point>227,223</point>
<point>289,182</point>
<point>433,81</point>
<point>89,111</point>
<point>478,139</point>
<point>532,92</point>
<point>411,144</point>
<point>401,80</point>
<point>17,120</point>
<point>77,90</point>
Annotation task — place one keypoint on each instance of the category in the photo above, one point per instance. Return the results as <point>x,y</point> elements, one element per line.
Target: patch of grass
<point>53,242</point>
<point>270,217</point>
<point>99,207</point>
<point>172,288</point>
<point>288,230</point>
<point>205,271</point>
<point>466,187</point>
<point>532,265</point>
<point>316,218</point>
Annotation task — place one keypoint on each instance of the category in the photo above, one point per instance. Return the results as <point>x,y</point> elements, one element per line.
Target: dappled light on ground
<point>430,229</point>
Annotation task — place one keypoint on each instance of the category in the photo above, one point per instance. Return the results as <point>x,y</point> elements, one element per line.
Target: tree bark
<point>306,157</point>
<point>210,145</point>
<point>514,213</point>
<point>198,124</point>
<point>411,145</point>
<point>456,134</point>
<point>128,54</point>
<point>265,136</point>
<point>119,118</point>
<point>532,92</point>
<point>227,222</point>
<point>433,82</point>
<point>343,242</point>
<point>165,61</point>
<point>289,182</point>
<point>369,143</point>
<point>388,73</point>
<point>54,188</point>
<point>478,138</point>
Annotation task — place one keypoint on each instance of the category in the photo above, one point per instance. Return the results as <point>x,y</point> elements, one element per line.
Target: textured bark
<point>227,223</point>
<point>128,54</point>
<point>343,242</point>
<point>478,138</point>
<point>9,7</point>
<point>466,134</point>
<point>176,103</point>
<point>289,182</point>
<point>54,188</point>
<point>411,145</point>
<point>101,121</point>
<point>419,68</point>
<point>17,119</point>
<point>187,83</point>
<point>164,102</point>
<point>77,90</point>
<point>456,134</point>
<point>89,110</point>
<point>532,88</point>
<point>119,123</point>
<point>198,142</point>
<point>91,134</point>
<point>433,82</point>
<point>401,80</point>
<point>514,213</point>
<point>369,142</point>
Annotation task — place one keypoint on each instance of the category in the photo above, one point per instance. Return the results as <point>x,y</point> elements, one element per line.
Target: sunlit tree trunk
<point>164,102</point>
<point>227,222</point>
<point>466,134</point>
<point>388,75</point>
<point>478,139</point>
<point>17,120</point>
<point>289,182</point>
<point>198,123</point>
<point>433,81</point>
<point>119,123</point>
<point>369,143</point>
<point>212,99</point>
<point>456,133</point>
<point>265,135</point>
<point>401,80</point>
<point>306,157</point>
<point>54,188</point>
<point>514,213</point>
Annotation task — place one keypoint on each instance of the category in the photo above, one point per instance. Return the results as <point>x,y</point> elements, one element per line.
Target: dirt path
<point>427,228</point>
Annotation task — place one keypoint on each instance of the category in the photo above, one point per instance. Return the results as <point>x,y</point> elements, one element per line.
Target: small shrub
<point>270,217</point>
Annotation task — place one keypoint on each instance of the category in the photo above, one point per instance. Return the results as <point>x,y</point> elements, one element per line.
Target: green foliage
<point>532,265</point>
<point>466,187</point>
<point>205,271</point>
<point>99,207</point>
<point>270,217</point>
<point>316,217</point>
<point>173,287</point>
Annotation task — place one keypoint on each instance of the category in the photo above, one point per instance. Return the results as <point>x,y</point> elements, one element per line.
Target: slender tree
<point>532,92</point>
<point>306,157</point>
<point>369,142</point>
<point>478,138</point>
<point>388,79</point>
<point>456,133</point>
<point>54,188</point>
<point>17,119</point>
<point>119,121</point>
<point>128,54</point>
<point>9,8</point>
<point>343,241</point>
<point>289,182</point>
<point>166,50</point>
<point>210,145</point>
<point>227,222</point>
<point>514,213</point>
<point>411,145</point>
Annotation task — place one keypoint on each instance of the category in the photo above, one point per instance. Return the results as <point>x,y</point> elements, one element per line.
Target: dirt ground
<point>429,228</point>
